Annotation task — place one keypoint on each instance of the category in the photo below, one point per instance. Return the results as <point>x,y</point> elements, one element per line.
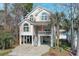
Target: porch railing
<point>44,32</point>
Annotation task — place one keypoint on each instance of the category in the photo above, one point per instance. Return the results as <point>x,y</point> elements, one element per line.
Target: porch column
<point>39,43</point>
<point>20,38</point>
<point>36,41</point>
<point>32,41</point>
<point>26,39</point>
<point>51,41</point>
<point>23,39</point>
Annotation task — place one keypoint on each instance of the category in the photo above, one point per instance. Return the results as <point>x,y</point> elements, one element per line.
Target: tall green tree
<point>6,40</point>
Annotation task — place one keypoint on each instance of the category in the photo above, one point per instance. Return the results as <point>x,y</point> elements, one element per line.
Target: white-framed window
<point>26,27</point>
<point>44,16</point>
<point>31,17</point>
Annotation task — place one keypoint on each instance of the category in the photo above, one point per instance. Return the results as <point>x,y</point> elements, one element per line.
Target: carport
<point>45,40</point>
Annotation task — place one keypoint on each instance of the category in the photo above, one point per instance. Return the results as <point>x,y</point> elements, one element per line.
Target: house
<point>34,29</point>
<point>63,34</point>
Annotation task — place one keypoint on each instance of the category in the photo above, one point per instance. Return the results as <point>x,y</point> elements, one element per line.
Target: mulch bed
<point>56,52</point>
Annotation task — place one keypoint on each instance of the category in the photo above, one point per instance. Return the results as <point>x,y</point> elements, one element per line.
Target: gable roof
<point>32,12</point>
<point>37,8</point>
<point>25,20</point>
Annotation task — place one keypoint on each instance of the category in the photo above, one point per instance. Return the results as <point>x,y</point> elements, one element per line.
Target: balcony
<point>44,32</point>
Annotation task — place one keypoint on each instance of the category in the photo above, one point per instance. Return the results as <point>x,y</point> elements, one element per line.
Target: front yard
<point>5,52</point>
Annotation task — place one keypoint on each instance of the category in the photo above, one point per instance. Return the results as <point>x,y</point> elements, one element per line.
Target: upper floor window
<point>26,27</point>
<point>31,18</point>
<point>44,16</point>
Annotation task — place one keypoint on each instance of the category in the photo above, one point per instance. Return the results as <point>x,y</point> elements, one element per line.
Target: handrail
<point>44,32</point>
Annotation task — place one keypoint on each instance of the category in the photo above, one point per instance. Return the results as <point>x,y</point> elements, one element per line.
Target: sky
<point>1,6</point>
<point>49,6</point>
<point>52,7</point>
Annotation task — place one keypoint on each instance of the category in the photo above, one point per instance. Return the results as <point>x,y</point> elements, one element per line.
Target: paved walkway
<point>29,50</point>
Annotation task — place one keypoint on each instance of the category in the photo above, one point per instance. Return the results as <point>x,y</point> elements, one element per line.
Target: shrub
<point>6,40</point>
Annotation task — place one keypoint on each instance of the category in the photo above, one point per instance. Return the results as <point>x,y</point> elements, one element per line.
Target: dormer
<point>39,14</point>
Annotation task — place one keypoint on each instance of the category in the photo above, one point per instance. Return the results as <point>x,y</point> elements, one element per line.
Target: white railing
<point>44,32</point>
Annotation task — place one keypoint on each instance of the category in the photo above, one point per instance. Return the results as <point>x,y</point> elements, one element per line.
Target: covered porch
<point>42,34</point>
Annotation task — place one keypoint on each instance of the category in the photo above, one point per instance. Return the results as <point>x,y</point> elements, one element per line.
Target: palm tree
<point>55,21</point>
<point>52,26</point>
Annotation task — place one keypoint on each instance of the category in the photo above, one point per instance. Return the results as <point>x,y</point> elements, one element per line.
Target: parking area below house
<point>45,40</point>
<point>29,50</point>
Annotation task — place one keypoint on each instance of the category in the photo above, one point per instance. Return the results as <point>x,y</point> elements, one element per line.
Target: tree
<point>57,20</point>
<point>71,13</point>
<point>76,24</point>
<point>18,13</point>
<point>6,40</point>
<point>13,14</point>
<point>52,26</point>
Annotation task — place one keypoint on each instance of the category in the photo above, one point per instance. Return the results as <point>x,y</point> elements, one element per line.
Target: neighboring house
<point>63,34</point>
<point>34,29</point>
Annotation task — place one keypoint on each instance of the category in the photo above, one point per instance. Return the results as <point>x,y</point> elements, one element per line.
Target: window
<point>44,16</point>
<point>26,27</point>
<point>31,18</point>
<point>47,28</point>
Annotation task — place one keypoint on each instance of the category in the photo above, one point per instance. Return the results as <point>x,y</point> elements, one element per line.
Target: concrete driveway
<point>29,50</point>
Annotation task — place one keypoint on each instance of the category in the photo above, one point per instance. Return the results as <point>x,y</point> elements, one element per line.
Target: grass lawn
<point>5,52</point>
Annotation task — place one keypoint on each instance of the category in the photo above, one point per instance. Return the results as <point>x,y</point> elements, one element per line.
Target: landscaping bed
<point>56,52</point>
<point>63,50</point>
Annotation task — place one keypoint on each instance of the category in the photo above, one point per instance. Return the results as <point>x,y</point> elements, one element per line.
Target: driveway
<point>29,50</point>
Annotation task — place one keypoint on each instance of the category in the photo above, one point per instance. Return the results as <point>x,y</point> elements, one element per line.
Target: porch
<point>43,39</point>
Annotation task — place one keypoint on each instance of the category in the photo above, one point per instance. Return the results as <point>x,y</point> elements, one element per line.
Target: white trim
<point>32,12</point>
<point>23,40</point>
<point>39,42</point>
<point>26,39</point>
<point>51,41</point>
<point>37,8</point>
<point>20,40</point>
<point>32,41</point>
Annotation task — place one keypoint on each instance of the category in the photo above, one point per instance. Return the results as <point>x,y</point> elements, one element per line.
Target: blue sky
<point>50,6</point>
<point>1,6</point>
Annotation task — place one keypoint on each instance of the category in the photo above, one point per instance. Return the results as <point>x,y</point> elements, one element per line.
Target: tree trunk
<point>57,36</point>
<point>53,36</point>
<point>72,39</point>
<point>3,45</point>
<point>77,43</point>
<point>52,33</point>
<point>5,15</point>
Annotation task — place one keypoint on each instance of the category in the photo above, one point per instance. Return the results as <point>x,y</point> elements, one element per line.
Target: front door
<point>29,39</point>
